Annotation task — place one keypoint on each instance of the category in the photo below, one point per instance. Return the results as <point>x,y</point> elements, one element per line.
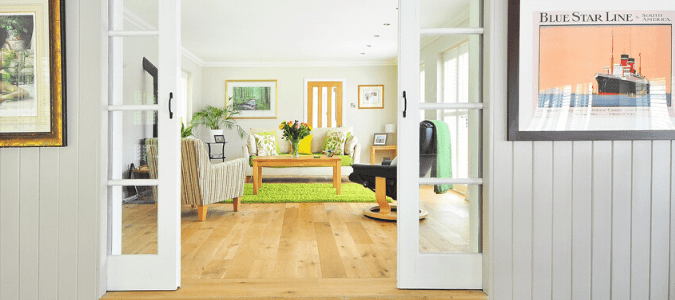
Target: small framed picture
<point>371,96</point>
<point>219,138</point>
<point>380,139</point>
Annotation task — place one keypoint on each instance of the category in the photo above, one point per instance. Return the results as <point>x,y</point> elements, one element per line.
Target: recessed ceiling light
<point>369,45</point>
<point>377,35</point>
<point>386,24</point>
<point>363,53</point>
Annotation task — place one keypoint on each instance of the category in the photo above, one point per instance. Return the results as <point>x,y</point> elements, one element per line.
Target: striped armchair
<point>203,183</point>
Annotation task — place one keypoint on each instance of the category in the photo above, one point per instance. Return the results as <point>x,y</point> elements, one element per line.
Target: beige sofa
<point>351,153</point>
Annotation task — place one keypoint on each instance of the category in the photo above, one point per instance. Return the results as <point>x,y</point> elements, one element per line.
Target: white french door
<point>442,251</point>
<point>141,113</point>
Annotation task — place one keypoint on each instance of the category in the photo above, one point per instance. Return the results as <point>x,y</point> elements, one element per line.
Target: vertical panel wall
<point>574,220</point>
<point>49,196</point>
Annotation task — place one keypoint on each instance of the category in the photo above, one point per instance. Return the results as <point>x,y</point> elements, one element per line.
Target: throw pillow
<point>306,145</point>
<point>349,145</point>
<point>335,140</point>
<point>325,141</point>
<point>266,145</point>
<point>250,143</point>
<point>273,134</point>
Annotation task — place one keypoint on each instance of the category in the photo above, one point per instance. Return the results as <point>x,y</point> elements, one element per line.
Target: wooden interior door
<point>324,103</point>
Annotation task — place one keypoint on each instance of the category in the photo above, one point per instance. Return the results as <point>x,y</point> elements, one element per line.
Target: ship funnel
<point>624,60</point>
<point>631,64</point>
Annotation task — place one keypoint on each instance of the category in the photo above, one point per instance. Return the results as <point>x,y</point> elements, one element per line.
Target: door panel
<point>442,251</point>
<point>324,103</point>
<point>144,82</point>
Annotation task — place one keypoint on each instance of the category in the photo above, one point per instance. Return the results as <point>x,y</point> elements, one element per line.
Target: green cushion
<point>346,159</point>
<point>272,133</point>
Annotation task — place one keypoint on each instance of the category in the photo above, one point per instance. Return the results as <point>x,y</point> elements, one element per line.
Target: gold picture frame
<point>371,96</point>
<point>254,99</point>
<point>32,46</point>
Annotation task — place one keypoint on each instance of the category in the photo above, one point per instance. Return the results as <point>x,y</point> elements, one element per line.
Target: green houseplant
<point>218,118</point>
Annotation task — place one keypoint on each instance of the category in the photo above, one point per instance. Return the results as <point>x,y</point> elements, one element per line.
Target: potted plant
<point>186,131</point>
<point>217,119</point>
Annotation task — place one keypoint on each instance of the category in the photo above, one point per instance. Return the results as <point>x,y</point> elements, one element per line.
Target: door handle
<point>405,104</point>
<point>170,112</point>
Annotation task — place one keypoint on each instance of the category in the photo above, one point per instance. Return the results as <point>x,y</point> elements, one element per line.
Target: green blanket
<point>443,155</point>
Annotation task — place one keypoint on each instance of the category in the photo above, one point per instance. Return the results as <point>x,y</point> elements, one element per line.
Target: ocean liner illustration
<point>622,79</point>
<point>618,85</point>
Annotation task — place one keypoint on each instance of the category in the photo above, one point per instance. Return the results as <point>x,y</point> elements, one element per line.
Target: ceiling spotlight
<point>369,45</point>
<point>386,24</point>
<point>363,53</point>
<point>377,35</point>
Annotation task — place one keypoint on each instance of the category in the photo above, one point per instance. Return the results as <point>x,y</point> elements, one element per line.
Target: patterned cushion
<point>266,145</point>
<point>335,140</point>
<point>250,143</point>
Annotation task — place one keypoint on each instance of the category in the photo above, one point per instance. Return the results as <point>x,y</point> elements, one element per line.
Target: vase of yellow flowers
<point>294,132</point>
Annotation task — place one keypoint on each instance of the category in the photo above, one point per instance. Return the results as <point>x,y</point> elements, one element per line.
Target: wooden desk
<point>303,161</point>
<point>374,149</point>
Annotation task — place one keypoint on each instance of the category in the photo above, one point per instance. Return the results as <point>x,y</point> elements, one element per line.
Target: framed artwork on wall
<point>371,96</point>
<point>380,139</point>
<point>578,70</point>
<point>255,99</point>
<point>32,75</point>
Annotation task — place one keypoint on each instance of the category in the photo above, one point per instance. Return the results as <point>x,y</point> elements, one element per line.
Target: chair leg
<point>381,195</point>
<point>235,203</point>
<point>201,212</point>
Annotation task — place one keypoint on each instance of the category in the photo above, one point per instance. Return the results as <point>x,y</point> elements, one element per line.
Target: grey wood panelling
<point>562,220</point>
<point>49,196</point>
<point>660,210</point>
<point>522,222</point>
<point>621,218</point>
<point>640,219</point>
<point>9,223</point>
<point>582,153</point>
<point>542,219</point>
<point>601,219</point>
<point>601,212</point>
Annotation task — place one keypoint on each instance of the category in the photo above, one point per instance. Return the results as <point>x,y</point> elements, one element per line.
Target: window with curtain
<point>456,89</point>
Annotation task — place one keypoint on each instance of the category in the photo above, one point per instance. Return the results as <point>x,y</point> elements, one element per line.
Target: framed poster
<point>32,75</point>
<point>254,99</point>
<point>585,70</point>
<point>371,96</point>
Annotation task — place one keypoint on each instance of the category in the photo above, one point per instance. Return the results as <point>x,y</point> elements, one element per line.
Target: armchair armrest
<point>246,154</point>
<point>356,154</point>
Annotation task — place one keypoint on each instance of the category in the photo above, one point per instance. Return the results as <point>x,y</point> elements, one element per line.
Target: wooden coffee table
<point>303,161</point>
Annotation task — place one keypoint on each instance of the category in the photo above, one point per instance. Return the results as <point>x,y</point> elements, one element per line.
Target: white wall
<point>195,71</point>
<point>366,122</point>
<point>49,216</point>
<point>574,220</point>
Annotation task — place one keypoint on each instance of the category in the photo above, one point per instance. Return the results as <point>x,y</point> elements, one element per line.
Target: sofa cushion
<point>250,143</point>
<point>282,145</point>
<point>266,144</point>
<point>346,159</point>
<point>320,136</point>
<point>352,140</point>
<point>335,140</point>
<point>306,145</point>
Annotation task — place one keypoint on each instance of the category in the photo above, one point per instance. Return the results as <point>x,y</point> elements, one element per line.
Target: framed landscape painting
<point>254,99</point>
<point>578,70</point>
<point>32,72</point>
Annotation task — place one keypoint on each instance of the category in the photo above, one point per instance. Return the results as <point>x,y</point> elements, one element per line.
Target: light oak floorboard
<point>296,250</point>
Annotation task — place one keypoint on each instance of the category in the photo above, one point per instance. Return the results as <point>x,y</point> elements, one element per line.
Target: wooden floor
<point>296,250</point>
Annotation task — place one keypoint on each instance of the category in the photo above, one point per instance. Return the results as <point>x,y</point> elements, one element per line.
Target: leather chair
<point>382,178</point>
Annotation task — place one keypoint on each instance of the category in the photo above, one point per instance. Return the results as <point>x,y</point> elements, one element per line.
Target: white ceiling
<point>297,31</point>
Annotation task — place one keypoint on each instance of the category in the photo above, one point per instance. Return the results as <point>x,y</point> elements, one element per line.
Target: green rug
<point>307,192</point>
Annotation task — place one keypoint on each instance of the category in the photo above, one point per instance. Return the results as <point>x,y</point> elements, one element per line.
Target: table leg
<point>255,178</point>
<point>259,177</point>
<point>337,177</point>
